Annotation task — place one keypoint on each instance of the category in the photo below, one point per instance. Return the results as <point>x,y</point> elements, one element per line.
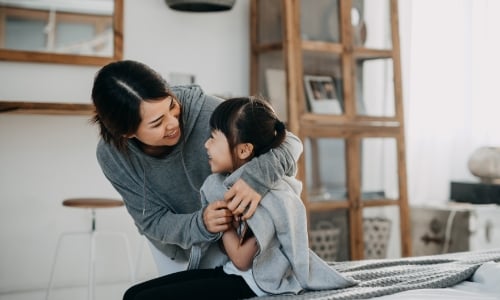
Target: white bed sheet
<point>483,285</point>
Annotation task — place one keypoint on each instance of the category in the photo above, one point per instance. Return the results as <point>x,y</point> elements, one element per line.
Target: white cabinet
<point>455,227</point>
<point>484,224</point>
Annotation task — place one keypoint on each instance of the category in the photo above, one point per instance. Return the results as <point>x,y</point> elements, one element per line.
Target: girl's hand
<point>217,217</point>
<point>236,222</point>
<point>242,199</point>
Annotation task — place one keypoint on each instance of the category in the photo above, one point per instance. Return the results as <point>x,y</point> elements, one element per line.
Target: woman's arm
<point>261,173</point>
<point>152,214</point>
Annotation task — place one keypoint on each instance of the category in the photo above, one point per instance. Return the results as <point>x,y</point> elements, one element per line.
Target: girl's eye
<point>156,125</point>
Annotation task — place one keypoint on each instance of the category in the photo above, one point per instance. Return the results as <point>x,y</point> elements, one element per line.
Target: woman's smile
<point>172,134</point>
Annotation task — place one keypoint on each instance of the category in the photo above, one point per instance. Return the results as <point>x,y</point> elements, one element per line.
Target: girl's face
<point>160,123</point>
<point>219,154</point>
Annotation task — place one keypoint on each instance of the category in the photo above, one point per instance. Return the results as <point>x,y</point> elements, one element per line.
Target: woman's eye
<point>157,125</point>
<point>173,104</point>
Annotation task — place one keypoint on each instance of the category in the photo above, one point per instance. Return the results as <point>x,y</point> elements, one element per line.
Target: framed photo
<point>322,95</point>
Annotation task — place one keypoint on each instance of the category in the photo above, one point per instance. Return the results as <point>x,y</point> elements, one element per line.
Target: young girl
<point>268,253</point>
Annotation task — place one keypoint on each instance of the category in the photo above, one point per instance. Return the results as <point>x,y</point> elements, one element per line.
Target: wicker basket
<point>376,237</point>
<point>325,240</point>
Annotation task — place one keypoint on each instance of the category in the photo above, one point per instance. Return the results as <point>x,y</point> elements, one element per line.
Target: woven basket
<point>325,240</point>
<point>376,237</point>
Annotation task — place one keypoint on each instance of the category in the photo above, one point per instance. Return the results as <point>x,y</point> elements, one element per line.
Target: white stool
<point>92,204</point>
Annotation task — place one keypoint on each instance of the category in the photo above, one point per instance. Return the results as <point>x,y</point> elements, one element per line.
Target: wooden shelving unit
<point>353,167</point>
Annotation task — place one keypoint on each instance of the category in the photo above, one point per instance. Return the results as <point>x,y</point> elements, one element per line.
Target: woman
<point>267,255</point>
<point>151,150</point>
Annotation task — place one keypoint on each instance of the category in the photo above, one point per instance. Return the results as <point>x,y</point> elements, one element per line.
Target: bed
<point>464,275</point>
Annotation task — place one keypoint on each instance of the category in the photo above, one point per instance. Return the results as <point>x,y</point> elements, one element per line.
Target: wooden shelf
<point>45,108</point>
<point>365,53</point>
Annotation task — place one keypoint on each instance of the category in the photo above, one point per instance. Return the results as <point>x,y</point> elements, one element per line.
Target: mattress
<point>466,275</point>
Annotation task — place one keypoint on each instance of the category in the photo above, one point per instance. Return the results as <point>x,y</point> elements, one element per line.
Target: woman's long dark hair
<point>119,88</point>
<point>248,120</point>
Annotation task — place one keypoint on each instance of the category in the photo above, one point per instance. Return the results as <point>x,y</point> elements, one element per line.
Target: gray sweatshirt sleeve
<point>152,216</point>
<point>262,172</point>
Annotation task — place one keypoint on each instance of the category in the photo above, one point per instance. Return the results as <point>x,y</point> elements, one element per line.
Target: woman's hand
<point>242,199</point>
<point>217,217</point>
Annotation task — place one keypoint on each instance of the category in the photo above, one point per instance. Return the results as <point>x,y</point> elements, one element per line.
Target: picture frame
<point>322,96</point>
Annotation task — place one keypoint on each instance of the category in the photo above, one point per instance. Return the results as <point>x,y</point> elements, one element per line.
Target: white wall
<point>44,159</point>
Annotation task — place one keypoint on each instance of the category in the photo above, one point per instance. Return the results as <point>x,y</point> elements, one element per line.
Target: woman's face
<point>160,122</point>
<point>219,155</point>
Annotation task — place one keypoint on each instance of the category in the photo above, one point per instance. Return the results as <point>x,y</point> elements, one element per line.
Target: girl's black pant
<point>192,284</point>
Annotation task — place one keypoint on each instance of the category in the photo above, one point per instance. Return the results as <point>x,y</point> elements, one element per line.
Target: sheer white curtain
<point>451,60</point>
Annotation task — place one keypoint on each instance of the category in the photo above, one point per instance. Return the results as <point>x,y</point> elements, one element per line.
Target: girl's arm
<point>241,254</point>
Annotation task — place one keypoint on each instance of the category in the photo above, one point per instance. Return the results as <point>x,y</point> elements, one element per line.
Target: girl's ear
<point>244,151</point>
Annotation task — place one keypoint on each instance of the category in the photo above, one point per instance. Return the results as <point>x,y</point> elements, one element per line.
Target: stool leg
<point>91,268</point>
<point>139,258</point>
<point>128,251</point>
<point>91,286</point>
<point>53,268</point>
<point>130,260</point>
<point>54,261</point>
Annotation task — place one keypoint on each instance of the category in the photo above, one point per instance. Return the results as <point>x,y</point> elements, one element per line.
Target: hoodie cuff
<point>203,229</point>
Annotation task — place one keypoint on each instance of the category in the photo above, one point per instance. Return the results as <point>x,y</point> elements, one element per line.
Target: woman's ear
<point>128,136</point>
<point>244,151</point>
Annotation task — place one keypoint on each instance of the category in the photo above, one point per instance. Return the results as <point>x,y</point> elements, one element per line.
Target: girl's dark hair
<point>249,120</point>
<point>118,90</point>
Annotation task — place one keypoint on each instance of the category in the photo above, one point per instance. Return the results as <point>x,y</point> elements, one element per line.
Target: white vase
<point>485,164</point>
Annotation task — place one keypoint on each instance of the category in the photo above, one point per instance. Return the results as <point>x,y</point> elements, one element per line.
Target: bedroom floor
<point>102,292</point>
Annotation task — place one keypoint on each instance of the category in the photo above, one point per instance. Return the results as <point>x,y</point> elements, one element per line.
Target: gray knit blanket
<point>380,277</point>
